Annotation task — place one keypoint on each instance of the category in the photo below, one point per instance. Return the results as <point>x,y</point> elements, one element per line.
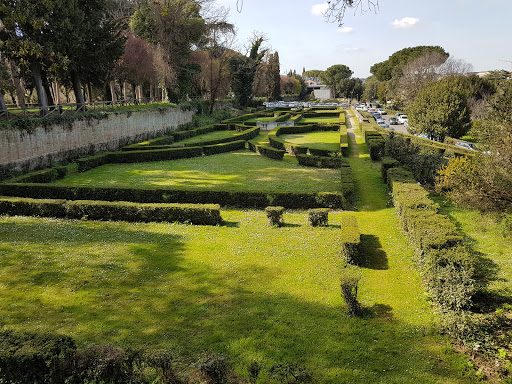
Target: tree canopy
<point>394,65</point>
<point>333,77</point>
<point>441,109</point>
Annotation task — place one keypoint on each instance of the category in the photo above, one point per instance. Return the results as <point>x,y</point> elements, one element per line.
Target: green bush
<point>447,266</point>
<point>349,280</point>
<point>106,210</point>
<point>350,239</point>
<point>27,358</point>
<point>141,195</point>
<point>224,147</point>
<point>318,217</point>
<point>15,206</point>
<point>43,176</point>
<point>387,163</point>
<point>270,152</point>
<point>275,216</point>
<point>321,161</point>
<point>91,162</point>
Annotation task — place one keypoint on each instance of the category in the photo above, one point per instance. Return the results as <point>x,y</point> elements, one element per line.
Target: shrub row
<point>423,164</point>
<point>447,266</point>
<point>44,176</point>
<point>375,143</point>
<point>267,151</point>
<point>321,161</point>
<point>350,239</point>
<point>247,134</point>
<point>141,195</point>
<point>344,140</point>
<point>107,210</point>
<point>88,163</point>
<point>283,117</point>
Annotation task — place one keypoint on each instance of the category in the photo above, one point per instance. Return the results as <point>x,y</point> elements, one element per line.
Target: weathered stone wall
<point>24,151</point>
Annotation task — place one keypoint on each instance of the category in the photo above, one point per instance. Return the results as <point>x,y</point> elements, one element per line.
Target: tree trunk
<point>3,106</point>
<point>113,91</point>
<point>125,91</point>
<point>56,92</point>
<point>77,88</point>
<point>42,101</point>
<point>47,89</point>
<point>16,79</point>
<point>89,92</point>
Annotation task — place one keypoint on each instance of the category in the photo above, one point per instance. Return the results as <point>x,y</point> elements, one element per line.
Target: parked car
<point>402,119</point>
<point>380,121</point>
<point>466,145</point>
<point>393,120</point>
<point>381,111</point>
<point>398,114</point>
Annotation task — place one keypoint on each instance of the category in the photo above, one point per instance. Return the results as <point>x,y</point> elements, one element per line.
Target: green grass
<point>256,119</point>
<point>484,236</point>
<point>320,119</point>
<point>319,140</point>
<point>236,171</point>
<point>208,136</point>
<point>246,289</point>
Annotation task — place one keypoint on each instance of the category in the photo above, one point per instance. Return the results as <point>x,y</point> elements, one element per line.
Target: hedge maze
<point>34,192</point>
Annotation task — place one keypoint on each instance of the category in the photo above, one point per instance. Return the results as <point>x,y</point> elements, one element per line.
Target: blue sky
<point>476,31</point>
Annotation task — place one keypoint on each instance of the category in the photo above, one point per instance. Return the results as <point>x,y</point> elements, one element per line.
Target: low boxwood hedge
<point>447,266</point>
<point>321,161</point>
<point>108,210</point>
<point>142,195</point>
<point>43,176</point>
<point>350,239</point>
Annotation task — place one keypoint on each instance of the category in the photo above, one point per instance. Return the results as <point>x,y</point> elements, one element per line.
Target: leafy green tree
<point>371,88</point>
<point>243,69</point>
<point>394,65</point>
<point>174,26</point>
<point>312,73</point>
<point>334,76</point>
<point>440,109</point>
<point>273,77</point>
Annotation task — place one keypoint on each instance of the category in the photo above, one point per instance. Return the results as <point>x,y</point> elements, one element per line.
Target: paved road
<point>397,127</point>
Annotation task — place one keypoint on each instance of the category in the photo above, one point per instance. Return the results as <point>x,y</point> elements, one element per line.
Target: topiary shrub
<point>275,216</point>
<point>349,281</point>
<point>318,217</point>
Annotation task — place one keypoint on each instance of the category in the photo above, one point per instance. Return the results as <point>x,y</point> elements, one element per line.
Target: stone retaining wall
<point>24,151</point>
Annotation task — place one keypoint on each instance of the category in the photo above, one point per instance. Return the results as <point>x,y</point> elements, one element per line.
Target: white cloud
<point>406,22</point>
<point>319,9</point>
<point>352,49</point>
<point>345,30</point>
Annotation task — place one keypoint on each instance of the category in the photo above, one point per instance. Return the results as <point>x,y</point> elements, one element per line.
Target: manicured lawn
<point>320,119</point>
<point>245,289</point>
<point>256,119</point>
<point>319,140</point>
<point>207,136</point>
<point>236,171</point>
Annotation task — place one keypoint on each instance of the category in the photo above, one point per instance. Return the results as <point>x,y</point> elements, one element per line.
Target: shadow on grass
<point>152,294</point>
<point>372,255</point>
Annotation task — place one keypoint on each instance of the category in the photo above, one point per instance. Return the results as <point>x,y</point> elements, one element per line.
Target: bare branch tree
<point>337,8</point>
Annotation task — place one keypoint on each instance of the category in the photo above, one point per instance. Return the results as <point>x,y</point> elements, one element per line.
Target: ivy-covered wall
<point>26,150</point>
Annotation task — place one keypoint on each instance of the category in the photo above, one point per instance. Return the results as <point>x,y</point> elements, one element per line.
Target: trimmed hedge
<point>350,239</point>
<point>43,176</point>
<point>447,266</point>
<point>387,163</point>
<point>275,216</point>
<point>107,210</point>
<point>318,217</point>
<point>267,151</point>
<point>343,141</point>
<point>224,147</point>
<point>321,161</point>
<point>141,195</point>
